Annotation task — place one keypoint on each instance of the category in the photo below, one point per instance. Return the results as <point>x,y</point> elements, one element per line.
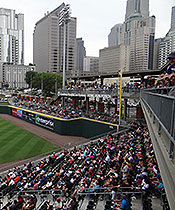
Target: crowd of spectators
<point>166,79</point>
<point>93,86</point>
<point>112,164</point>
<point>68,112</point>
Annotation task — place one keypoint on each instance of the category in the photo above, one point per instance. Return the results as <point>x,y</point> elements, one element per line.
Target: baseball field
<point>17,143</point>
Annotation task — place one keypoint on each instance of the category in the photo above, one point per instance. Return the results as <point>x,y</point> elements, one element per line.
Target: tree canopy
<point>45,81</point>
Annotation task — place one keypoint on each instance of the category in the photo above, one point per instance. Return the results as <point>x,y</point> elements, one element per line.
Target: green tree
<point>47,81</point>
<point>29,77</point>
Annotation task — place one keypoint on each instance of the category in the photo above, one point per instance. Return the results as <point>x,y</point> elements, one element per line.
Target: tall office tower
<point>48,41</point>
<point>137,6</point>
<point>91,64</point>
<point>173,18</point>
<point>115,35</point>
<point>167,44</point>
<point>11,36</point>
<point>109,59</point>
<point>156,53</point>
<point>137,40</point>
<point>80,54</point>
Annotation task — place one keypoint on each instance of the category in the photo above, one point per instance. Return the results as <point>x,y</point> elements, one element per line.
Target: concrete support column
<point>63,101</point>
<point>100,105</point>
<point>81,103</point>
<point>116,106</point>
<point>139,113</point>
<point>125,109</point>
<point>121,111</point>
<point>95,103</point>
<point>87,104</point>
<point>109,107</point>
<point>102,79</point>
<point>74,102</point>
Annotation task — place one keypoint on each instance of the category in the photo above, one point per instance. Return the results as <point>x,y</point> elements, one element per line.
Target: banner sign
<point>45,122</point>
<point>19,113</point>
<point>28,116</point>
<point>14,112</point>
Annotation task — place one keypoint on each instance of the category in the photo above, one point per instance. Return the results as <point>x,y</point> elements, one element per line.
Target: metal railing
<point>163,109</point>
<point>85,92</point>
<point>161,90</point>
<point>97,92</point>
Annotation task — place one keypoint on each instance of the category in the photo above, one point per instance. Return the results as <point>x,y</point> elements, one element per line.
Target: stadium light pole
<point>31,82</point>
<point>64,19</point>
<point>56,85</point>
<point>42,83</point>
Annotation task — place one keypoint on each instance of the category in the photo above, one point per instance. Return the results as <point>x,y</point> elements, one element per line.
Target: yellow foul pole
<point>120,100</point>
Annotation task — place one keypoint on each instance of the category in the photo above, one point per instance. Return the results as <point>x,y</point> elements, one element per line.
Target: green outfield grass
<point>18,144</point>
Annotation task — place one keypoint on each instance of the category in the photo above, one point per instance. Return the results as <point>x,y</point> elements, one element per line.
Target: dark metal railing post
<point>171,153</point>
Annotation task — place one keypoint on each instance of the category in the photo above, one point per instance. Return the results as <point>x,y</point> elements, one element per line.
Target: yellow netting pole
<point>120,98</point>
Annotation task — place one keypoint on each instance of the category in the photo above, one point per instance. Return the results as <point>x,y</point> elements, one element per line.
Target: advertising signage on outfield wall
<point>17,113</point>
<point>14,112</point>
<point>28,116</point>
<point>45,122</point>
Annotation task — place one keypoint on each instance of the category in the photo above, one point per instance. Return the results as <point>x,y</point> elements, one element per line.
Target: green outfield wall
<point>83,127</point>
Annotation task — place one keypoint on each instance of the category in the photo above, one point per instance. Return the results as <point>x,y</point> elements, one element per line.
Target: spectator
<point>124,203</point>
<point>13,206</point>
<point>168,78</point>
<point>171,67</point>
<point>58,204</point>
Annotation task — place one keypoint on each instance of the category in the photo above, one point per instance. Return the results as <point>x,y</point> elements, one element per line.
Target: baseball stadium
<point>54,155</point>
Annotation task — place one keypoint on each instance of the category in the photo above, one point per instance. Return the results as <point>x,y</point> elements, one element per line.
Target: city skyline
<point>94,19</point>
<point>11,36</point>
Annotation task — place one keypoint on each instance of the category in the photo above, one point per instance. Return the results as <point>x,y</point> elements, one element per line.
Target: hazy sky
<point>95,18</point>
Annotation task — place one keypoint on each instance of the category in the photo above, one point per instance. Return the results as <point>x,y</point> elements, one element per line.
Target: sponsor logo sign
<point>45,122</point>
<point>14,112</point>
<point>19,113</point>
<point>28,116</point>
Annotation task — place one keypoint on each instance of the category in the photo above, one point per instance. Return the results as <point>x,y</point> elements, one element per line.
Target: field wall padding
<point>83,127</point>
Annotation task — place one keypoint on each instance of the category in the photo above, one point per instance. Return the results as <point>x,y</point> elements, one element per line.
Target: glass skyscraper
<point>11,37</point>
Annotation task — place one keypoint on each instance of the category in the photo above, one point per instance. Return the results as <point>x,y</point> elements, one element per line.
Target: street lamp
<point>63,21</point>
